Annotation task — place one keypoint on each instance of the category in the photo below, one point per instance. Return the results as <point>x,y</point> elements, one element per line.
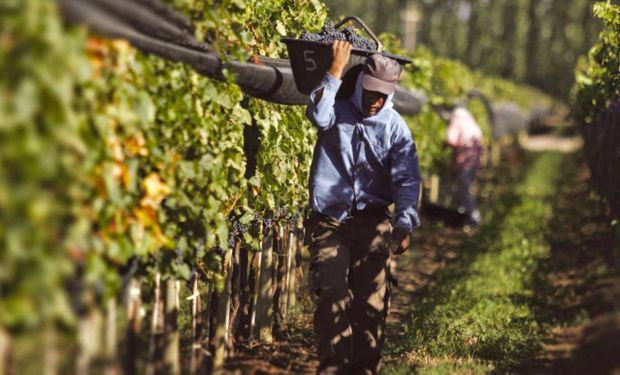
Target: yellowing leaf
<point>145,216</point>
<point>115,146</point>
<point>136,145</point>
<point>280,28</point>
<point>155,190</point>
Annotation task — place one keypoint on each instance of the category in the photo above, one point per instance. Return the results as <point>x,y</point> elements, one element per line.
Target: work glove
<point>399,241</point>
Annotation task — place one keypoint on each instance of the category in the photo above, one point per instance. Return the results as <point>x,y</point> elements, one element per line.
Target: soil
<point>292,354</point>
<point>433,246</point>
<point>580,288</point>
<point>578,298</point>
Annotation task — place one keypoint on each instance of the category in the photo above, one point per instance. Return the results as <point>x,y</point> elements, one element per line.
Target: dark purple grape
<point>232,239</point>
<point>267,224</point>
<point>328,34</point>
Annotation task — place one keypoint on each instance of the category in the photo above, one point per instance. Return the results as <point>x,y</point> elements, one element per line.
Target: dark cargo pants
<point>466,178</point>
<point>350,275</point>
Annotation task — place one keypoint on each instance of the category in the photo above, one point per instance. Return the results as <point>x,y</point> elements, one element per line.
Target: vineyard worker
<point>465,138</point>
<point>364,160</point>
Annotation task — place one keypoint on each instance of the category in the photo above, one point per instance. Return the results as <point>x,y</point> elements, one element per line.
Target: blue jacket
<point>361,161</point>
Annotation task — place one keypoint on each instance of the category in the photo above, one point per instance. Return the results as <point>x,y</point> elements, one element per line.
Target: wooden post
<point>211,323</point>
<point>111,341</point>
<point>299,251</point>
<point>157,327</point>
<point>224,308</point>
<point>264,302</point>
<point>196,350</point>
<point>172,358</point>
<point>434,193</point>
<point>5,352</point>
<point>291,270</point>
<point>50,350</point>
<point>279,296</point>
<point>223,316</point>
<point>246,279</point>
<point>235,293</point>
<point>257,261</point>
<point>133,300</point>
<point>89,340</point>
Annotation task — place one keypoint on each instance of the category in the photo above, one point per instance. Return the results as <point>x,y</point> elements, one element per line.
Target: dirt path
<point>580,288</point>
<point>551,142</point>
<point>415,271</point>
<point>291,354</point>
<point>434,246</point>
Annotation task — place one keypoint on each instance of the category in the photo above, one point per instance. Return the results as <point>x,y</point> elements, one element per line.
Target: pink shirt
<point>463,130</point>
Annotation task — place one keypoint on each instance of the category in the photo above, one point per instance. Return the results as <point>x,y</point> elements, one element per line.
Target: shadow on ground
<point>579,288</point>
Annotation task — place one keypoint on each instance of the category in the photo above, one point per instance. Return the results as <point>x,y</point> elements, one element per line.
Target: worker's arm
<point>320,109</point>
<point>405,184</point>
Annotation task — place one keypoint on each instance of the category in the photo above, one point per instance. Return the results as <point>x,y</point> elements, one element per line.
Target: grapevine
<point>118,166</point>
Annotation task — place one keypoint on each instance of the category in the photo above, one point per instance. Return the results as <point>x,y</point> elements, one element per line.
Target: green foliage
<point>598,78</point>
<point>530,41</point>
<point>480,309</point>
<point>108,154</point>
<point>241,29</point>
<point>44,162</point>
<point>596,106</point>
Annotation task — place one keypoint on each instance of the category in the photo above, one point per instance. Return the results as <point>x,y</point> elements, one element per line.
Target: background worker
<point>465,138</point>
<point>364,160</point>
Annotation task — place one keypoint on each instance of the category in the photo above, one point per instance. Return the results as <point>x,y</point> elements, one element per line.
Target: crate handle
<point>363,25</point>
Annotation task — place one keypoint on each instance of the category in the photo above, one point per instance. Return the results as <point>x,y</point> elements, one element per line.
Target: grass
<point>479,317</point>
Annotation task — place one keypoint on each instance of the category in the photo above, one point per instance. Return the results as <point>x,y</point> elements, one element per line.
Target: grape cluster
<point>267,225</point>
<point>328,34</point>
<point>232,240</point>
<point>238,228</point>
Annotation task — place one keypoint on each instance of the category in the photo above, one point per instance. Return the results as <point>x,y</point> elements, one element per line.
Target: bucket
<point>311,59</point>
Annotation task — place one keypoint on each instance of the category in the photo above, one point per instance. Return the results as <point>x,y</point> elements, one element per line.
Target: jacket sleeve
<point>405,177</point>
<point>320,109</point>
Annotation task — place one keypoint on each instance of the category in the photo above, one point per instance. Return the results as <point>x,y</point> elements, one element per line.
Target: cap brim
<point>371,83</point>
